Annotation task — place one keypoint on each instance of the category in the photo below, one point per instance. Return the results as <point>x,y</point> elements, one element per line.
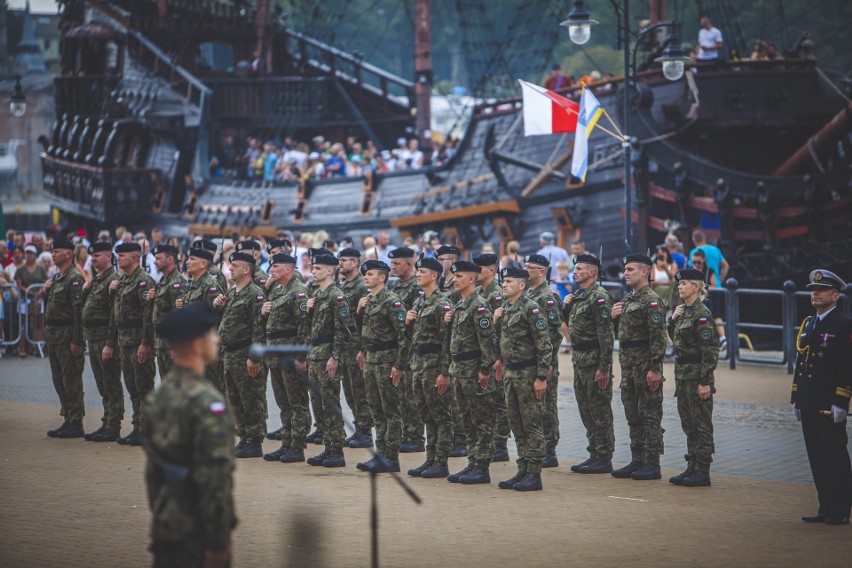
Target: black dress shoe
<point>438,470</point>
<point>530,482</point>
<point>459,450</point>
<point>418,471</point>
<point>276,455</point>
<point>454,477</point>
<point>576,467</point>
<point>510,483</point>
<point>293,456</point>
<point>837,520</point>
<point>410,447</point>
<point>550,461</point>
<point>501,453</point>
<point>596,466</point>
<point>626,471</point>
<point>477,475</point>
<point>818,518</point>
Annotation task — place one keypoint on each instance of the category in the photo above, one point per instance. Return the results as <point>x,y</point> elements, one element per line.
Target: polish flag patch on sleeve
<point>601,301</point>
<point>176,286</point>
<point>301,295</point>
<point>536,311</point>
<point>550,302</point>
<point>498,299</point>
<point>260,298</point>
<point>447,308</point>
<point>143,284</point>
<point>655,304</point>
<point>211,290</point>
<point>702,320</point>
<point>397,304</point>
<point>340,298</point>
<point>217,407</point>
<point>480,310</point>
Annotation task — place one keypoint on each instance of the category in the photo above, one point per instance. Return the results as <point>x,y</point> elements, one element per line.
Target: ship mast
<point>423,71</point>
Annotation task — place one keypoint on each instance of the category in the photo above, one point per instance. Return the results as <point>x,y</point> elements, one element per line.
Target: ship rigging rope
<point>828,80</point>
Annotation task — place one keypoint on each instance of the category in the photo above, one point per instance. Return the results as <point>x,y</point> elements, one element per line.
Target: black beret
<point>325,259</point>
<point>243,256</point>
<point>514,272</point>
<point>587,258</point>
<point>282,258</point>
<point>827,279</point>
<point>349,253</point>
<point>537,259</point>
<point>374,265</point>
<point>487,259</point>
<point>128,247</point>
<point>201,253</point>
<point>448,249</point>
<point>191,322</point>
<point>276,243</point>
<point>329,244</point>
<point>638,257</point>
<point>319,251</point>
<point>205,244</point>
<point>66,245</point>
<point>401,252</point>
<point>168,249</point>
<point>430,263</point>
<point>465,266</point>
<point>689,274</point>
<point>250,244</point>
<point>100,247</point>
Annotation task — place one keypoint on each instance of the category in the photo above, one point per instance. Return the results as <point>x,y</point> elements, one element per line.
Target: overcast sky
<point>37,6</point>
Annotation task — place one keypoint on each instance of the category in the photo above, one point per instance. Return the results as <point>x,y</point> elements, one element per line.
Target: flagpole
<point>628,164</point>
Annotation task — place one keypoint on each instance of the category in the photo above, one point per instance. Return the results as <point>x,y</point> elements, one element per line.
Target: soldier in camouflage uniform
<point>252,247</point>
<point>245,378</point>
<point>407,290</point>
<point>97,307</point>
<point>473,352</point>
<point>284,314</point>
<point>549,303</point>
<point>131,331</point>
<point>215,272</point>
<point>491,292</point>
<point>430,365</point>
<point>383,356</point>
<point>447,255</point>
<point>523,364</point>
<point>188,437</point>
<point>697,352</point>
<point>331,326</point>
<point>640,320</point>
<point>168,290</point>
<point>64,337</point>
<point>203,288</point>
<point>354,388</point>
<point>316,437</point>
<point>587,313</point>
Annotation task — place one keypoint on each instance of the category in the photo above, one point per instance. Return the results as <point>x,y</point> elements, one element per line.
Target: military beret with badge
<point>165,249</point>
<point>202,253</point>
<point>349,253</point>
<point>100,246</point>
<point>587,258</point>
<point>242,256</point>
<point>374,265</point>
<point>465,266</point>
<point>537,260</point>
<point>250,244</point>
<point>282,258</point>
<point>401,252</point>
<point>689,274</point>
<point>487,259</point>
<point>448,249</point>
<point>429,263</point>
<point>128,247</point>
<point>514,272</point>
<point>637,257</point>
<point>205,244</point>
<point>279,243</point>
<point>325,260</point>
<point>62,244</point>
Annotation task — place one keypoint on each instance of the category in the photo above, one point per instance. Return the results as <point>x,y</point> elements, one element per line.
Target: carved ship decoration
<point>759,152</point>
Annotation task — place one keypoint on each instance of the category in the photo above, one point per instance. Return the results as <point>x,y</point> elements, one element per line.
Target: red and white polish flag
<point>545,112</point>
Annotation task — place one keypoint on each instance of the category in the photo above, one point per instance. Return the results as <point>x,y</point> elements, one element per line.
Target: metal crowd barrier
<point>12,324</point>
<point>36,322</point>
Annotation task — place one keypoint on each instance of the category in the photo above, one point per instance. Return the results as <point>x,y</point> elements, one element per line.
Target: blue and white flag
<point>589,113</point>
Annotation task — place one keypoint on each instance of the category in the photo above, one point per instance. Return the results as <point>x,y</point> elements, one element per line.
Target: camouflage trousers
<point>595,412</point>
<point>316,406</point>
<point>67,373</point>
<point>696,419</point>
<point>296,389</point>
<point>279,392</point>
<point>435,413</point>
<point>502,429</point>
<point>108,379</point>
<point>138,379</point>
<point>459,431</point>
<point>216,375</point>
<point>164,361</point>
<point>178,554</point>
<point>355,392</point>
<point>385,407</point>
<point>333,434</point>
<point>246,395</point>
<point>551,411</point>
<point>412,419</point>
<point>526,417</point>
<point>644,412</point>
<point>477,410</point>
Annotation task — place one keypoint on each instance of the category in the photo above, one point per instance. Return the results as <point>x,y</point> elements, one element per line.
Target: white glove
<point>797,413</point>
<point>838,413</point>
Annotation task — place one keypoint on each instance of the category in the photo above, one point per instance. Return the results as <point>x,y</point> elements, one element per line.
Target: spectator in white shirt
<point>550,251</point>
<point>709,41</point>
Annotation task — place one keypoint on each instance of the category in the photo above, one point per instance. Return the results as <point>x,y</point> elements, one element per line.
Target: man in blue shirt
<point>715,260</point>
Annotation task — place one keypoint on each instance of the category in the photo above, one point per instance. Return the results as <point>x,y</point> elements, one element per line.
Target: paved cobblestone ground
<point>74,503</point>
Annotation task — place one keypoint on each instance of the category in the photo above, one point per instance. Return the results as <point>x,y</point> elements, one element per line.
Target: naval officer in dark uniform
<point>822,387</point>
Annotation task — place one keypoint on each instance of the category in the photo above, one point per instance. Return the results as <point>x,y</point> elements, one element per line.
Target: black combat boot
<point>250,450</point>
<point>438,470</point>
<point>550,460</point>
<point>319,458</point>
<point>334,458</point>
<point>276,455</point>
<point>454,477</point>
<point>597,466</point>
<point>74,430</point>
<point>55,432</point>
<point>275,434</point>
<point>530,482</point>
<point>576,467</point>
<point>418,471</point>
<point>369,464</point>
<point>106,435</point>
<point>126,440</point>
<point>312,437</point>
<point>362,439</point>
<point>510,483</point>
<point>459,450</point>
<point>627,470</point>
<point>501,453</point>
<point>677,479</point>
<point>293,456</point>
<point>88,437</point>
<point>647,472</point>
<point>352,437</point>
<point>476,476</point>
<point>410,447</point>
<point>696,479</point>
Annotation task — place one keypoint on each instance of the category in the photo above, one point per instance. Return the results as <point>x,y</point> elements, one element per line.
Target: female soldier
<point>691,329</point>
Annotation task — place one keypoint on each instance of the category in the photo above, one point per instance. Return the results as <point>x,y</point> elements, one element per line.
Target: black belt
<point>687,359</point>
<point>60,322</point>
<point>467,356</point>
<point>518,365</point>
<point>129,324</point>
<point>586,346</point>
<point>95,323</point>
<point>282,334</point>
<point>322,340</point>
<point>236,346</point>
<point>628,343</point>
<point>381,346</point>
<point>427,349</point>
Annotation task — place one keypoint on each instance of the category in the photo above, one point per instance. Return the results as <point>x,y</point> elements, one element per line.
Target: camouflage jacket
<point>429,334</point>
<point>407,291</point>
<point>524,340</point>
<point>493,294</point>
<point>447,288</point>
<point>286,322</point>
<point>63,309</point>
<point>643,321</point>
<point>218,276</point>
<point>97,306</point>
<point>382,324</point>
<point>695,343</point>
<point>131,323</point>
<point>242,323</point>
<point>189,442</point>
<point>590,327</point>
<point>550,305</point>
<point>169,289</point>
<point>259,278</point>
<point>205,289</point>
<point>354,290</point>
<point>330,323</point>
<point>472,342</point>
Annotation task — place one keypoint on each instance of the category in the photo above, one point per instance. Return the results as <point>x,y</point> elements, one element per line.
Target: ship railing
<point>79,94</point>
<point>291,98</point>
